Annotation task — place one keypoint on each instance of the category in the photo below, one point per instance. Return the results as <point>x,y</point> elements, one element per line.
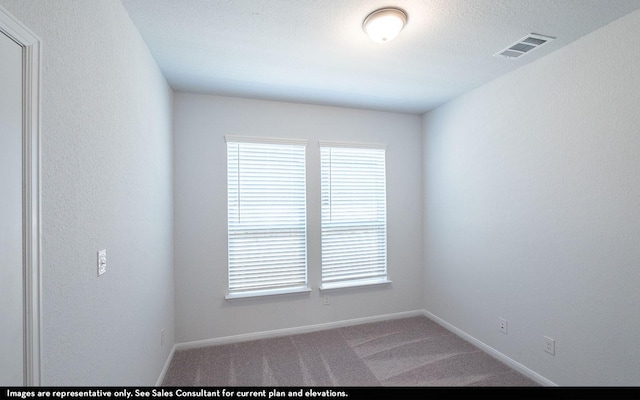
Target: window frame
<point>332,284</point>
<point>303,287</point>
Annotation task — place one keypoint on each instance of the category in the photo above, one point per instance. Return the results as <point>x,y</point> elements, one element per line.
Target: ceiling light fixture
<point>384,24</point>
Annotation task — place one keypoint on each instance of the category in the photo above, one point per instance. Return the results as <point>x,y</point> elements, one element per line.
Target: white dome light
<point>383,25</point>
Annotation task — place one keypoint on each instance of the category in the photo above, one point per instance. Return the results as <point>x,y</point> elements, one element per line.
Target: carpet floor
<point>412,351</point>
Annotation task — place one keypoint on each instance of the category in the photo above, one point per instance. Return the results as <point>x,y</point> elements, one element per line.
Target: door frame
<point>31,183</point>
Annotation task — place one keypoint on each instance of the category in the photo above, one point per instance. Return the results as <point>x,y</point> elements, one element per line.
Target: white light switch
<point>102,262</point>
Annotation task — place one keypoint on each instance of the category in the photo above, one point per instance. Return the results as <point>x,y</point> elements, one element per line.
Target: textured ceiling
<point>314,51</point>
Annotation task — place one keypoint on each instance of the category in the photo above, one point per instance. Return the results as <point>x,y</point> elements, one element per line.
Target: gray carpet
<point>411,351</point>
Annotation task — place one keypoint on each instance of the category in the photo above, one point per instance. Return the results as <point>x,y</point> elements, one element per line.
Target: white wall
<point>106,184</point>
<point>532,210</point>
<point>201,122</point>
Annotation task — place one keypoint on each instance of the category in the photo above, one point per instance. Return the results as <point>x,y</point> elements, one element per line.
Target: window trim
<point>267,293</point>
<point>264,140</point>
<point>354,284</point>
<point>352,145</point>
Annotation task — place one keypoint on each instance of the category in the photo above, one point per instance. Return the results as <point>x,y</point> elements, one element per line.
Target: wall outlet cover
<point>550,345</point>
<point>502,325</point>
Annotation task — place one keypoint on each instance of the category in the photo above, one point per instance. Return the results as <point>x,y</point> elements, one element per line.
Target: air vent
<point>524,45</point>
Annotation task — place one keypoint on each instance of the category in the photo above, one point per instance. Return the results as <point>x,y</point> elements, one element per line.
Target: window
<point>354,216</point>
<point>266,216</point>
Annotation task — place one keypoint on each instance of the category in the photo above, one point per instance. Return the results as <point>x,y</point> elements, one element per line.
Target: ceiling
<point>314,51</point>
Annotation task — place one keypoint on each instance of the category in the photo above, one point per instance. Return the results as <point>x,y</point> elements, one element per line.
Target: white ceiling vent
<point>525,45</point>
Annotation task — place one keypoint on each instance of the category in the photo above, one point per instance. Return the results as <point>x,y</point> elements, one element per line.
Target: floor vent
<point>525,45</point>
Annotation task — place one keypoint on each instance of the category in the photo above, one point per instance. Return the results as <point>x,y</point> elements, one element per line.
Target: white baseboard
<point>293,331</point>
<point>491,351</point>
<point>166,366</point>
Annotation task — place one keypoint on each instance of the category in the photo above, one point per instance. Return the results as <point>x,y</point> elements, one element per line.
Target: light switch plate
<point>102,262</point>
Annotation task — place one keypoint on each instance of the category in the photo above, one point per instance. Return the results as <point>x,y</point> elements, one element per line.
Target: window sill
<point>266,293</point>
<point>345,285</point>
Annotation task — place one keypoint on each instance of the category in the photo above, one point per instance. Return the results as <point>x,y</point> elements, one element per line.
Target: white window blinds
<point>354,216</point>
<point>266,216</point>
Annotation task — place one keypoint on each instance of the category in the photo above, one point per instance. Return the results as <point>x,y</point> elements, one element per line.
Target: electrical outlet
<point>325,300</point>
<point>162,337</point>
<point>550,345</point>
<point>102,262</point>
<point>502,325</point>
